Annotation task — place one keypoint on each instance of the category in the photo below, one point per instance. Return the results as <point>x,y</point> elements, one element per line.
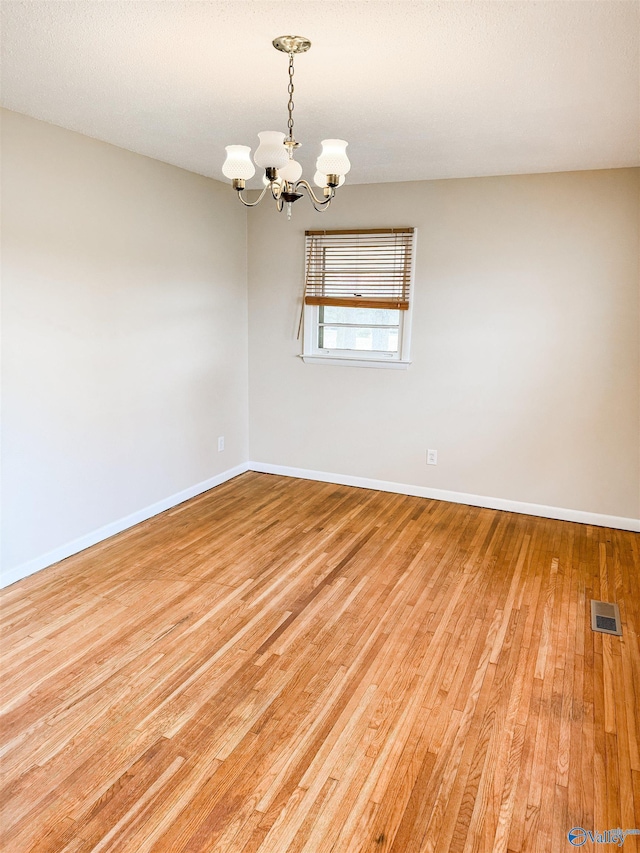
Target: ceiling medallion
<point>274,154</point>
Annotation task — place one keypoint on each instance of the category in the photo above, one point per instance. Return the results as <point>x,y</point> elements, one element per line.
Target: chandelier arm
<point>277,193</point>
<point>252,203</point>
<point>319,205</point>
<point>325,205</point>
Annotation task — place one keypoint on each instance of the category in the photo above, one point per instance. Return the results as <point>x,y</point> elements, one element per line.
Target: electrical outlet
<point>432,457</point>
<point>220,443</point>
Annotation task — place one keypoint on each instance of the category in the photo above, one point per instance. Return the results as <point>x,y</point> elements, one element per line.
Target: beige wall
<point>124,334</point>
<point>525,343</point>
<point>125,340</point>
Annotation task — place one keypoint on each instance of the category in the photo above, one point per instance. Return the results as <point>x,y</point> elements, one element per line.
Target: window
<point>357,300</point>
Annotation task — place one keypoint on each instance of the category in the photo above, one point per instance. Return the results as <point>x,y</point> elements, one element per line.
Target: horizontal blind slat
<point>365,302</point>
<point>355,231</point>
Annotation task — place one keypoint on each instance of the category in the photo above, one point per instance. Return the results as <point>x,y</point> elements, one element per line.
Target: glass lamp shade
<point>238,163</point>
<point>333,159</point>
<point>291,171</point>
<point>271,153</point>
<point>320,180</point>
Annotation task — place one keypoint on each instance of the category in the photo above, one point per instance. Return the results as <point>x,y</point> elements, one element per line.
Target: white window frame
<point>313,354</point>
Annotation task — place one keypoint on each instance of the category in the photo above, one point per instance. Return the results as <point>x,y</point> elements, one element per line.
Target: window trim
<point>313,354</point>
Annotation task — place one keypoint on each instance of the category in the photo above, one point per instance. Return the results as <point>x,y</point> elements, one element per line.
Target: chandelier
<point>274,154</point>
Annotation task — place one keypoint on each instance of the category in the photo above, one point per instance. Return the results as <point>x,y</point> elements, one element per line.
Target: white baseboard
<point>25,569</point>
<point>559,513</point>
<point>102,533</point>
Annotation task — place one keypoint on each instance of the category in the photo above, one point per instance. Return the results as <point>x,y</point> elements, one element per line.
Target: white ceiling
<point>419,89</point>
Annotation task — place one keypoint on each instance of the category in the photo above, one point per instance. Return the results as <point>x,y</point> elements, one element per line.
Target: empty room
<point>320,426</point>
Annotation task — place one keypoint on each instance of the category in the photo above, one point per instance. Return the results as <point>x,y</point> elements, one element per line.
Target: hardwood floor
<point>283,666</point>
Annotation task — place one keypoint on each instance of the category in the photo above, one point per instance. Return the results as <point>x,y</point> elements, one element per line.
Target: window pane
<point>359,338</point>
<point>368,316</point>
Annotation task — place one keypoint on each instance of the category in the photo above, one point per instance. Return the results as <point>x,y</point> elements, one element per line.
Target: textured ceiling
<point>419,89</point>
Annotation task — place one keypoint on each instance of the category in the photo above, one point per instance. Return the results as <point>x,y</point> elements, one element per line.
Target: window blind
<point>365,269</point>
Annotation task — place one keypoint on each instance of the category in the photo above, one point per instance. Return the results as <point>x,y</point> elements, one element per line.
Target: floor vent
<point>605,617</point>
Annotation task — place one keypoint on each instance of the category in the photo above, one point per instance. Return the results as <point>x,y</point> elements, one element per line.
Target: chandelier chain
<point>290,90</point>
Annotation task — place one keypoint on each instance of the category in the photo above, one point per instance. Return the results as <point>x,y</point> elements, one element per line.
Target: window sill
<point>334,361</point>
